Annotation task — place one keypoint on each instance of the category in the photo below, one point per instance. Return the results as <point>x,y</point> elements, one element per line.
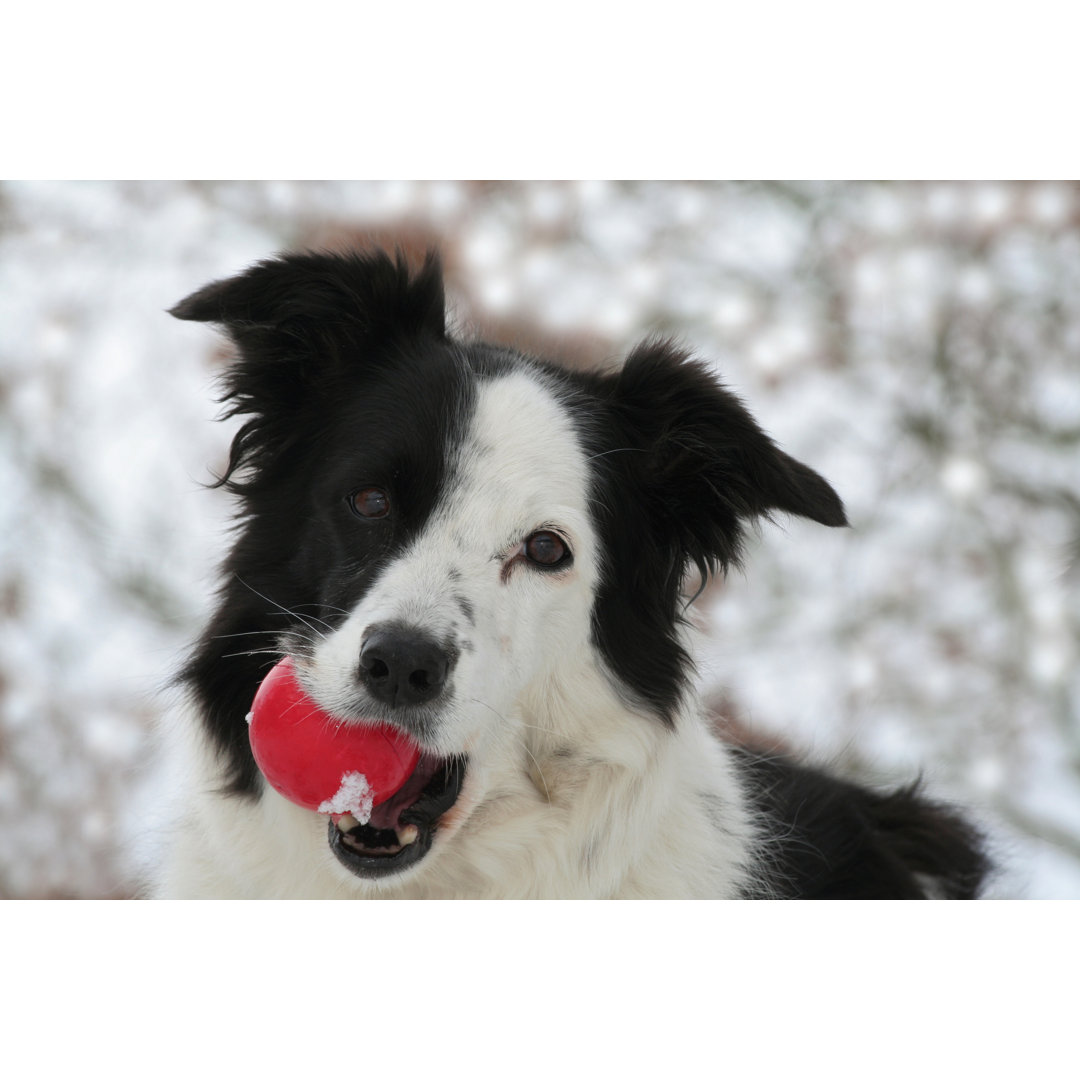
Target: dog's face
<point>442,533</point>
<point>450,603</point>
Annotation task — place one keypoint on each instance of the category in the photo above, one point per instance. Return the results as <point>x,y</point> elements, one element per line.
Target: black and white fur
<point>511,596</point>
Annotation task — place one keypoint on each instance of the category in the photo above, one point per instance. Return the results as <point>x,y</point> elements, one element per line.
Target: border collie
<point>521,534</point>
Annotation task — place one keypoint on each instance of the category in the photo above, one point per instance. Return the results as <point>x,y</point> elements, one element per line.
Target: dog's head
<point>445,535</point>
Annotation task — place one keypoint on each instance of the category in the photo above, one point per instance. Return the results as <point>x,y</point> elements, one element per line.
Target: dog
<point>488,552</point>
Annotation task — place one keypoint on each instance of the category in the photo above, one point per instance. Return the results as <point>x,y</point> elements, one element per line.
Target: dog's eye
<point>370,502</point>
<point>546,549</point>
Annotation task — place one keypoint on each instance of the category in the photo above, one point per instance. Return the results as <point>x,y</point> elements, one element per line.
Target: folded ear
<point>707,468</point>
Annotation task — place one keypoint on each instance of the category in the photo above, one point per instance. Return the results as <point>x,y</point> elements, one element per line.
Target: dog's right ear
<point>307,296</point>
<point>302,324</point>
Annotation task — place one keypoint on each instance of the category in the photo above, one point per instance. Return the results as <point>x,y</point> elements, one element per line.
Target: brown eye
<point>546,549</point>
<point>370,502</point>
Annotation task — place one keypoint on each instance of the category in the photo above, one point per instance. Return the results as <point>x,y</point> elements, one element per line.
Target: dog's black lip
<point>424,814</point>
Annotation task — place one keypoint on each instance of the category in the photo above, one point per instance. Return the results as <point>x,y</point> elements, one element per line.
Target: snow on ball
<point>320,761</point>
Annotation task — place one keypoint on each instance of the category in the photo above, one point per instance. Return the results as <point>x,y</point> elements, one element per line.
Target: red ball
<point>320,761</point>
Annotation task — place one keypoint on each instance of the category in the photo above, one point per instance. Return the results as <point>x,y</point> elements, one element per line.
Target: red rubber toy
<point>319,761</point>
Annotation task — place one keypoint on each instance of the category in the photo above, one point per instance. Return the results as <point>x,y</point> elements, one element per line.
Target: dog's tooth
<point>347,822</point>
<point>407,834</point>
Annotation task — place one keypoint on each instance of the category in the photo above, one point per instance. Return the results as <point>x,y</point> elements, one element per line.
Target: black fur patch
<point>833,840</point>
<point>467,609</point>
<point>679,469</point>
<point>347,380</point>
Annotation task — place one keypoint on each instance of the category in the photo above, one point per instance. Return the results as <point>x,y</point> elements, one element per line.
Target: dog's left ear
<point>704,466</point>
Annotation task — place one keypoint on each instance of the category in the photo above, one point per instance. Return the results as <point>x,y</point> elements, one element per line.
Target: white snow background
<point>918,344</point>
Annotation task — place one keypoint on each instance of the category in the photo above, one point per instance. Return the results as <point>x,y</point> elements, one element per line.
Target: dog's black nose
<point>401,666</point>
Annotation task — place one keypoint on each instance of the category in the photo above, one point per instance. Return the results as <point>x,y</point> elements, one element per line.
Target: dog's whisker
<point>281,608</point>
<point>247,633</point>
<point>524,745</point>
<point>538,727</point>
<point>292,613</point>
<point>618,450</point>
<point>540,771</point>
<point>325,607</point>
<point>523,723</point>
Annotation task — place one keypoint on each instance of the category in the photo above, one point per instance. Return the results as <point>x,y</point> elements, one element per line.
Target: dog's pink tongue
<point>318,761</point>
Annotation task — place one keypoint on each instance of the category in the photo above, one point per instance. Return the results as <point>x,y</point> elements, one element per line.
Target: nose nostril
<point>401,668</point>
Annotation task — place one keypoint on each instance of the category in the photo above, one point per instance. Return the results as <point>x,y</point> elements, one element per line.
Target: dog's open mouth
<point>400,830</point>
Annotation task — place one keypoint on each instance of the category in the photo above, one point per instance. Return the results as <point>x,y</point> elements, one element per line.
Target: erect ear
<point>311,294</point>
<point>301,322</point>
<point>707,468</point>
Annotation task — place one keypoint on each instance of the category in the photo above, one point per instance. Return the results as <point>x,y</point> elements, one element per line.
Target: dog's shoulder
<point>829,839</point>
